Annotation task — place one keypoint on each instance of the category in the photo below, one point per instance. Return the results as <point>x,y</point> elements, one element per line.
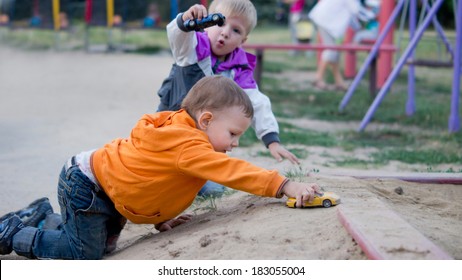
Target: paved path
<point>56,104</point>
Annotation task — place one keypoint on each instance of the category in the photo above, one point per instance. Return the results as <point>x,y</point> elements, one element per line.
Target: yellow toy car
<point>326,199</point>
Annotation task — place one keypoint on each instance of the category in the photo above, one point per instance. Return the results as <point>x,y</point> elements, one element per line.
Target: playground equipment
<point>123,14</point>
<point>36,14</point>
<point>109,14</point>
<point>416,35</point>
<point>130,15</point>
<point>384,58</point>
<point>44,14</point>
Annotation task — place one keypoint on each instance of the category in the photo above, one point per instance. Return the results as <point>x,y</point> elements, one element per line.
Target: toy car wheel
<point>215,18</point>
<point>327,203</point>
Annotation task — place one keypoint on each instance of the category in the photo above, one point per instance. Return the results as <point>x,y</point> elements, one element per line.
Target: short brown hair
<point>244,8</point>
<point>216,93</point>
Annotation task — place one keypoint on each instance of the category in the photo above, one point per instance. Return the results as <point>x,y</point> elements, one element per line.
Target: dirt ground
<point>56,104</point>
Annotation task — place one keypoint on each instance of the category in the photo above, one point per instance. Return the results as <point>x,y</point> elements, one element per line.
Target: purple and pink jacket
<point>194,60</point>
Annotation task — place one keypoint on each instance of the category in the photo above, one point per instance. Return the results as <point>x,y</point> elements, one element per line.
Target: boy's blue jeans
<point>89,222</point>
<point>211,189</point>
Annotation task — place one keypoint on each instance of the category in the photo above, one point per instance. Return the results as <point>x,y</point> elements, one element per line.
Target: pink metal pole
<point>350,57</point>
<point>385,59</point>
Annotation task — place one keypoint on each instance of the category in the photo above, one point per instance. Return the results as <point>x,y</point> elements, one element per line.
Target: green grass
<point>208,204</point>
<point>421,138</point>
<point>421,156</point>
<point>296,173</point>
<point>357,163</point>
<point>293,135</point>
<point>142,41</point>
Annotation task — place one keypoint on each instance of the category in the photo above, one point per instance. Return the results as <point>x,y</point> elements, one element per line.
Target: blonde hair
<point>229,8</point>
<point>216,93</point>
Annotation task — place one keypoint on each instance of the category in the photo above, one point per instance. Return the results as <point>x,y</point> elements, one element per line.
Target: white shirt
<point>334,16</point>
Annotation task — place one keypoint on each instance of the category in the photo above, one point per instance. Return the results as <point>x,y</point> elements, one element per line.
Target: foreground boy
<point>150,177</point>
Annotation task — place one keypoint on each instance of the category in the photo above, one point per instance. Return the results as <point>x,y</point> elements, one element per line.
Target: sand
<point>56,104</point>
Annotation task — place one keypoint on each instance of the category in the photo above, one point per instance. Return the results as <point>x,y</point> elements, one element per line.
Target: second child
<point>217,51</point>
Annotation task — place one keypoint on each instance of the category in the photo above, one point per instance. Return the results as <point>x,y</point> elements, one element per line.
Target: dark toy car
<point>210,20</point>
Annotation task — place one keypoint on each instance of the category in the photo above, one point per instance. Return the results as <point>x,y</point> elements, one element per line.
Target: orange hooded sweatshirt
<point>156,173</point>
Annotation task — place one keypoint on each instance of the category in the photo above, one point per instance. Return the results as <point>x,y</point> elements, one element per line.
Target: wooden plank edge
<point>367,247</point>
<point>424,178</point>
<point>370,249</point>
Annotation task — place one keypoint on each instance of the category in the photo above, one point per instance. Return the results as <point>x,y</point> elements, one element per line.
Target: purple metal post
<point>372,54</point>
<point>399,65</point>
<point>454,122</point>
<point>410,104</point>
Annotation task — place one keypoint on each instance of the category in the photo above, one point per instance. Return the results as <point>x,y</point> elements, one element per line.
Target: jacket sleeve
<point>264,122</point>
<point>198,159</point>
<point>182,44</point>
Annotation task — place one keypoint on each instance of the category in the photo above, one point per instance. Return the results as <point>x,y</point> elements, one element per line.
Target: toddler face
<point>224,39</point>
<point>226,127</point>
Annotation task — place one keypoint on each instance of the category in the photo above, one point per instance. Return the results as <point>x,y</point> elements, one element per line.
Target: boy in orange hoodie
<point>151,176</point>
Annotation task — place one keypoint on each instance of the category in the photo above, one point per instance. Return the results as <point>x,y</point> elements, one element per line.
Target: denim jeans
<point>212,189</point>
<point>88,221</point>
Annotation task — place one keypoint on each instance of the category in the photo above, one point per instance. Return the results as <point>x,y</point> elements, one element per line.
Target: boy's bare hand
<point>168,225</point>
<point>302,192</point>
<point>279,153</point>
<point>196,11</point>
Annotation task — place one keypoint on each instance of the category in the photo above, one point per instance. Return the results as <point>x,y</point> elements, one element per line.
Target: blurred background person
<point>332,18</point>
<point>295,15</point>
<point>369,29</point>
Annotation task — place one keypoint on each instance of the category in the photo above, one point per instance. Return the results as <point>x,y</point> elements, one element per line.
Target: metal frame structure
<point>416,35</point>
